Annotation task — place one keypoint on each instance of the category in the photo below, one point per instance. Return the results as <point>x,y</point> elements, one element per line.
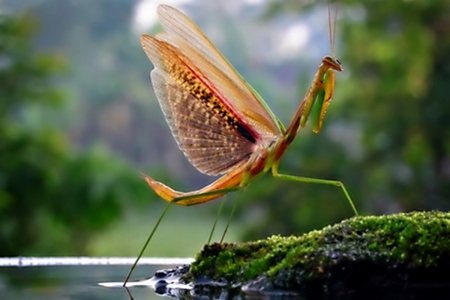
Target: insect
<point>219,121</point>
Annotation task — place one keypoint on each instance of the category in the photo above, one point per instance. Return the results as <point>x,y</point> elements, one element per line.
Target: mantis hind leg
<point>146,243</point>
<point>217,219</point>
<point>317,181</point>
<point>229,219</point>
<point>223,191</point>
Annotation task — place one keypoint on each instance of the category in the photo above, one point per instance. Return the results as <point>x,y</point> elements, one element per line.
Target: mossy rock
<point>394,255</point>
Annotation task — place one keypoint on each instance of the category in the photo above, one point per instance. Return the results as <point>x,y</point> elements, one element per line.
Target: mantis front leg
<point>316,100</point>
<point>319,98</point>
<point>323,100</point>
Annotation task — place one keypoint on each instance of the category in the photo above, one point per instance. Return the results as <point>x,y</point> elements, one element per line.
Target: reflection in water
<point>71,282</point>
<point>167,283</point>
<point>82,282</point>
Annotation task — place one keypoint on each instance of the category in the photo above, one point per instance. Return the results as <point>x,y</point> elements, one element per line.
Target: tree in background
<point>51,200</point>
<point>400,75</point>
<point>387,133</point>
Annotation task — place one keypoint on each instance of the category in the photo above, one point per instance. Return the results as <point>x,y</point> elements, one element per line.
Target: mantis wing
<point>210,135</point>
<point>219,75</point>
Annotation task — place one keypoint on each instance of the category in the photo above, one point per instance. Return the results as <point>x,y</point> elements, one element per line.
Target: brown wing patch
<point>208,133</point>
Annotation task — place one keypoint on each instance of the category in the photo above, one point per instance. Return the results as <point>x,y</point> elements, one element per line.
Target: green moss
<point>418,239</point>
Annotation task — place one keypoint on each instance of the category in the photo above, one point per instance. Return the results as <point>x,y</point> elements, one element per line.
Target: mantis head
<point>332,63</point>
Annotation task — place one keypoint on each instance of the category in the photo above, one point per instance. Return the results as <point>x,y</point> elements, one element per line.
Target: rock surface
<point>400,256</point>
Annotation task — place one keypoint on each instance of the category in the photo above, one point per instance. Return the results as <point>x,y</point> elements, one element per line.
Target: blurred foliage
<point>48,195</point>
<point>388,130</point>
<point>398,58</point>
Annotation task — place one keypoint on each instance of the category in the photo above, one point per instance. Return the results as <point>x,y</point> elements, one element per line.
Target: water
<point>81,278</point>
<point>56,279</point>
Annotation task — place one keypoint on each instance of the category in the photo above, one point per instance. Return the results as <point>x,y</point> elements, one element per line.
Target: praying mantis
<point>219,121</point>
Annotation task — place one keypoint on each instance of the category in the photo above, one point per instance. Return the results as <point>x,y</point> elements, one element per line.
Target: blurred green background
<point>79,121</point>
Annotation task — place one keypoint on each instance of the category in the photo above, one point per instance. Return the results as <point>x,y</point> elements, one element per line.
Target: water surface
<point>73,282</point>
